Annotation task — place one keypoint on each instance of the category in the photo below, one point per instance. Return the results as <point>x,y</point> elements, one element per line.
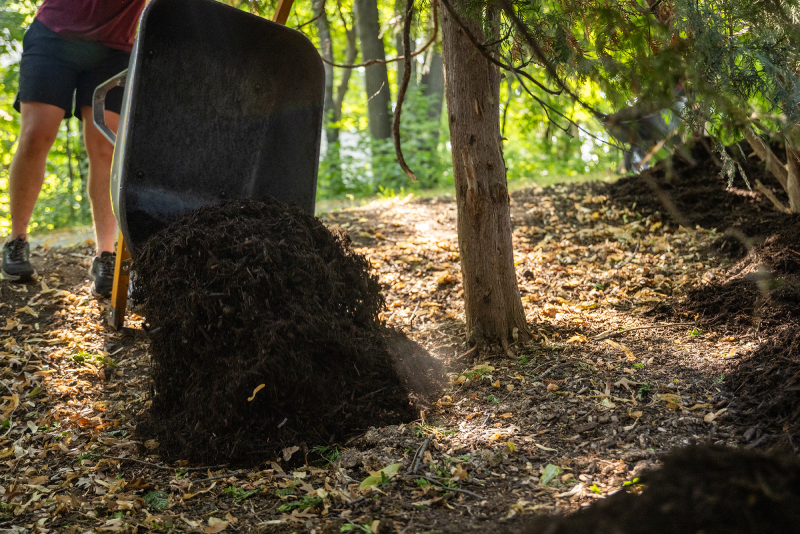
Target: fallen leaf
<point>550,472</point>
<point>288,452</point>
<point>578,338</point>
<point>625,383</point>
<point>607,403</point>
<point>552,387</point>
<point>711,415</point>
<point>258,388</point>
<point>510,387</point>
<point>496,384</point>
<point>151,444</point>
<point>215,525</point>
<point>506,415</point>
<point>545,448</point>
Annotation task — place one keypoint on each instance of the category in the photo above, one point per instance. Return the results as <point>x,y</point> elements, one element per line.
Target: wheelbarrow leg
<point>119,294</point>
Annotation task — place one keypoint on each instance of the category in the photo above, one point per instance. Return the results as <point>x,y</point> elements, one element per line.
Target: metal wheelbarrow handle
<point>99,104</point>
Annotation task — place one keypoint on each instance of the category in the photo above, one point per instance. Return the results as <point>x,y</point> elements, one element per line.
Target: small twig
<point>420,453</point>
<point>159,466</point>
<point>545,373</point>
<point>235,474</point>
<point>411,319</point>
<point>470,351</point>
<point>630,258</point>
<point>761,188</point>
<point>458,490</point>
<point>609,335</point>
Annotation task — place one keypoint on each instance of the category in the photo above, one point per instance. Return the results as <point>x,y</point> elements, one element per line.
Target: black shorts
<point>53,69</point>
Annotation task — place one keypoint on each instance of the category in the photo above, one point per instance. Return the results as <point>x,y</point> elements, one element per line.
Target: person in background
<point>71,47</point>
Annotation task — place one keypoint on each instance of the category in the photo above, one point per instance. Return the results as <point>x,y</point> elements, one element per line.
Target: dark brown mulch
<point>697,195</point>
<point>698,489</point>
<point>254,293</point>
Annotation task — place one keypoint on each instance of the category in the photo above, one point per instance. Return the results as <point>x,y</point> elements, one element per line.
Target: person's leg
<point>100,152</point>
<point>38,130</point>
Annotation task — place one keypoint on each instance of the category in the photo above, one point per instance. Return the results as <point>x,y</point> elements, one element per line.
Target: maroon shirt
<point>110,22</point>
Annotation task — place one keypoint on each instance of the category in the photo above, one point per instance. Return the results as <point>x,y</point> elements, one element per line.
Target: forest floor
<point>664,309</point>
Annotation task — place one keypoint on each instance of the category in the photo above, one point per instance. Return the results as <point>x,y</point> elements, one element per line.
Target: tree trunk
<point>326,51</point>
<point>491,297</point>
<point>433,83</point>
<point>376,76</point>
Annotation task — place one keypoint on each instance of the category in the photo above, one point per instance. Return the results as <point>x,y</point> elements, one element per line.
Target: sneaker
<point>17,261</point>
<point>102,274</point>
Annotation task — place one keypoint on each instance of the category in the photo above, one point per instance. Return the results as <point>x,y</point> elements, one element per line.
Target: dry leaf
<point>510,387</point>
<point>288,452</point>
<point>215,525</point>
<point>578,338</point>
<point>552,387</point>
<point>496,384</point>
<point>258,388</point>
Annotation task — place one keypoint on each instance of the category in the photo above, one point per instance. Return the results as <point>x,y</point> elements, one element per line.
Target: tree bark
<point>789,176</point>
<point>433,83</point>
<point>492,301</point>
<point>376,76</point>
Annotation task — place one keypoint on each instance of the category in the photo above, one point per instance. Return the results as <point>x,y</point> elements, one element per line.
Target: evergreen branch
<point>483,49</point>
<point>508,9</point>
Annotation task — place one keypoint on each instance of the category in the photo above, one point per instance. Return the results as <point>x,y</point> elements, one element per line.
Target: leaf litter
<point>590,261</point>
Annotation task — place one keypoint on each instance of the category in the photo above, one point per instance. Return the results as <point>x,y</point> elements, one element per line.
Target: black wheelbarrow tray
<point>218,104</point>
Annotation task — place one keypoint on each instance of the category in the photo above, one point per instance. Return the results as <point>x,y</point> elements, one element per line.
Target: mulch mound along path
<point>266,333</point>
<point>697,489</point>
<point>699,195</point>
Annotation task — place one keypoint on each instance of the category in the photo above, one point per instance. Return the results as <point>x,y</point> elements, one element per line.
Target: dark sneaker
<point>17,261</point>
<point>102,274</point>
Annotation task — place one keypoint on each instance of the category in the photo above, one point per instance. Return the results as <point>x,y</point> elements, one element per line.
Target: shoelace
<point>107,265</point>
<point>17,250</point>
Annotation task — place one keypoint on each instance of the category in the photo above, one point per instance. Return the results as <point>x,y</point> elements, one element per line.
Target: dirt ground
<point>653,332</point>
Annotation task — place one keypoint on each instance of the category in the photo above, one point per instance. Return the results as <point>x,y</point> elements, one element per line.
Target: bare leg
<point>38,130</point>
<point>100,153</point>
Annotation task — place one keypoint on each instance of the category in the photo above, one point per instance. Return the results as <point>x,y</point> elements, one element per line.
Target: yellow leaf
<point>460,473</point>
<point>258,388</point>
<point>496,384</point>
<point>578,338</point>
<point>506,415</point>
<point>510,387</point>
<point>552,387</point>
<point>28,310</point>
<point>511,446</point>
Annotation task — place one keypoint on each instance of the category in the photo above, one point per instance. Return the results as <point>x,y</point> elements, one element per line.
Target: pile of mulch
<point>265,333</point>
<point>698,489</point>
<point>698,195</point>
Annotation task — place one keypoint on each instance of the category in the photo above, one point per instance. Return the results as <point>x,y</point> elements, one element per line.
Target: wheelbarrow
<point>218,104</point>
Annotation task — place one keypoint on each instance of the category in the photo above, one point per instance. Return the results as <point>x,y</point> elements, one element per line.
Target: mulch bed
<point>697,489</point>
<point>266,333</point>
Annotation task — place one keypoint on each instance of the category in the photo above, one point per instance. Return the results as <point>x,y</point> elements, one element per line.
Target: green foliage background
<point>535,150</point>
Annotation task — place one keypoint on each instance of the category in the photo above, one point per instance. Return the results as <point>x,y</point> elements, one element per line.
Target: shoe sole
<point>18,277</point>
<point>98,294</point>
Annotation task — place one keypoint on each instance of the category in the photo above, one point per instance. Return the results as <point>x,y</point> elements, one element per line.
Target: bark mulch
<point>696,489</point>
<point>265,334</point>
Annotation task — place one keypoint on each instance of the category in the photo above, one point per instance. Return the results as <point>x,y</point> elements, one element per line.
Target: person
<point>71,47</point>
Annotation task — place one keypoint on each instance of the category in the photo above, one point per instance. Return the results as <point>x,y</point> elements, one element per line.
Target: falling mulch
<point>265,334</point>
<point>697,489</point>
